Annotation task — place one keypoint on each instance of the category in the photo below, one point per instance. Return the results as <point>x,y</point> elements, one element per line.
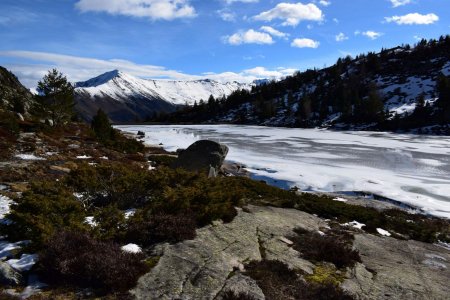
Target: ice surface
<point>409,168</point>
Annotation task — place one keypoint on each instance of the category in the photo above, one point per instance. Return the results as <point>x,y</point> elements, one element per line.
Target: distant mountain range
<point>404,87</point>
<point>126,98</point>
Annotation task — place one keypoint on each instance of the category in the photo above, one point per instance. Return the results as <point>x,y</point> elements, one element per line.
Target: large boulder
<point>9,276</point>
<point>201,156</point>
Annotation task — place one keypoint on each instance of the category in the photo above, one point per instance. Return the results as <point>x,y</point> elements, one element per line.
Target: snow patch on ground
<point>83,157</point>
<point>5,206</point>
<point>383,232</point>
<point>25,263</point>
<point>29,157</point>
<point>90,221</point>
<point>339,199</point>
<point>355,224</point>
<point>131,248</point>
<point>7,249</point>
<point>129,213</point>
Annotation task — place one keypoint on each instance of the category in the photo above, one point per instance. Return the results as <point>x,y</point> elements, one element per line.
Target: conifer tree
<point>55,99</point>
<point>102,127</point>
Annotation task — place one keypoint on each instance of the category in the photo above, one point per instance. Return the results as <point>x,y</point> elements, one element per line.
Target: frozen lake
<point>408,168</point>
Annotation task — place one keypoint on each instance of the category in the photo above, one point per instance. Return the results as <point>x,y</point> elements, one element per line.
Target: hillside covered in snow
<point>400,88</point>
<point>127,98</point>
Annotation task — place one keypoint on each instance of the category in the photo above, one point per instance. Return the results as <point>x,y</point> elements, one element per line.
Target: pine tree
<point>102,127</point>
<point>55,99</point>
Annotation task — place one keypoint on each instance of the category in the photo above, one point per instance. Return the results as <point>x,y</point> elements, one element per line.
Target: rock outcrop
<point>201,156</point>
<point>9,276</point>
<point>209,265</point>
<point>214,262</point>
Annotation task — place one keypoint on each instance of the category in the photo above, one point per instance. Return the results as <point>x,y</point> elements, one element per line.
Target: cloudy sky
<point>219,39</point>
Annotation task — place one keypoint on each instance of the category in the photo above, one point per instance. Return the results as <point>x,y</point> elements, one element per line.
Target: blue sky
<point>189,39</point>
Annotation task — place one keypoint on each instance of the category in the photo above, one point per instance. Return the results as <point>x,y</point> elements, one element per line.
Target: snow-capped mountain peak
<point>115,89</point>
<point>123,87</point>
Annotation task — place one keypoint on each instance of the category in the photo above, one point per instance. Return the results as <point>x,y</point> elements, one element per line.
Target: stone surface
<point>396,269</point>
<point>202,155</point>
<point>9,276</point>
<point>205,267</point>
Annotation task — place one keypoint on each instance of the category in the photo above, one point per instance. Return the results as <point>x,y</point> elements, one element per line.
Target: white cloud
<point>324,2</point>
<point>227,15</point>
<point>249,37</point>
<point>292,13</point>
<point>397,3</point>
<point>305,43</point>
<point>153,9</point>
<point>414,19</point>
<point>243,1</point>
<point>373,35</point>
<point>272,31</point>
<point>341,37</point>
<point>82,68</point>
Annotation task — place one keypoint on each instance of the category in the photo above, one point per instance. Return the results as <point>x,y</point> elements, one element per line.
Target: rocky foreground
<point>214,262</point>
<point>198,237</point>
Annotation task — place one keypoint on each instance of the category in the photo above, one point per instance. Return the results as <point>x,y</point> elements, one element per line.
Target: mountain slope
<point>373,90</point>
<point>127,98</point>
<point>13,95</point>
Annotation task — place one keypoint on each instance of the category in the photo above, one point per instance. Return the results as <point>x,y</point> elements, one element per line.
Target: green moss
<point>325,274</point>
<point>152,261</point>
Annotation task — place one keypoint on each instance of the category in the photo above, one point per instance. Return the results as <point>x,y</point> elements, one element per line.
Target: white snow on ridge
<point>121,86</point>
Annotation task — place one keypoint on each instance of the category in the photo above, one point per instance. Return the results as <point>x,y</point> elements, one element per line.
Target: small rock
<point>60,169</point>
<point>9,276</point>
<point>141,133</point>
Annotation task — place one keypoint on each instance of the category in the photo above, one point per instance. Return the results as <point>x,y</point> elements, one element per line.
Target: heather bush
<point>78,259</point>
<point>147,229</point>
<point>278,282</point>
<point>335,247</point>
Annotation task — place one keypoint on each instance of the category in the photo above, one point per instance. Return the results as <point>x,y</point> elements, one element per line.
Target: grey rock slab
<point>9,276</point>
<point>397,269</point>
<point>202,268</point>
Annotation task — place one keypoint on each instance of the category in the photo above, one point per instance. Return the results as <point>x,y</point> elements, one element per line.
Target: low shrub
<point>334,248</point>
<point>46,208</point>
<point>162,160</point>
<point>278,282</point>
<point>78,259</point>
<point>150,229</point>
<point>110,183</point>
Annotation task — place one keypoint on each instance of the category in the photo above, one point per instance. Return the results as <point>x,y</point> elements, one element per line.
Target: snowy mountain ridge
<point>122,87</point>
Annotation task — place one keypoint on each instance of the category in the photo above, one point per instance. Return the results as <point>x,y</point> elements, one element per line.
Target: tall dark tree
<point>55,99</point>
<point>102,127</point>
